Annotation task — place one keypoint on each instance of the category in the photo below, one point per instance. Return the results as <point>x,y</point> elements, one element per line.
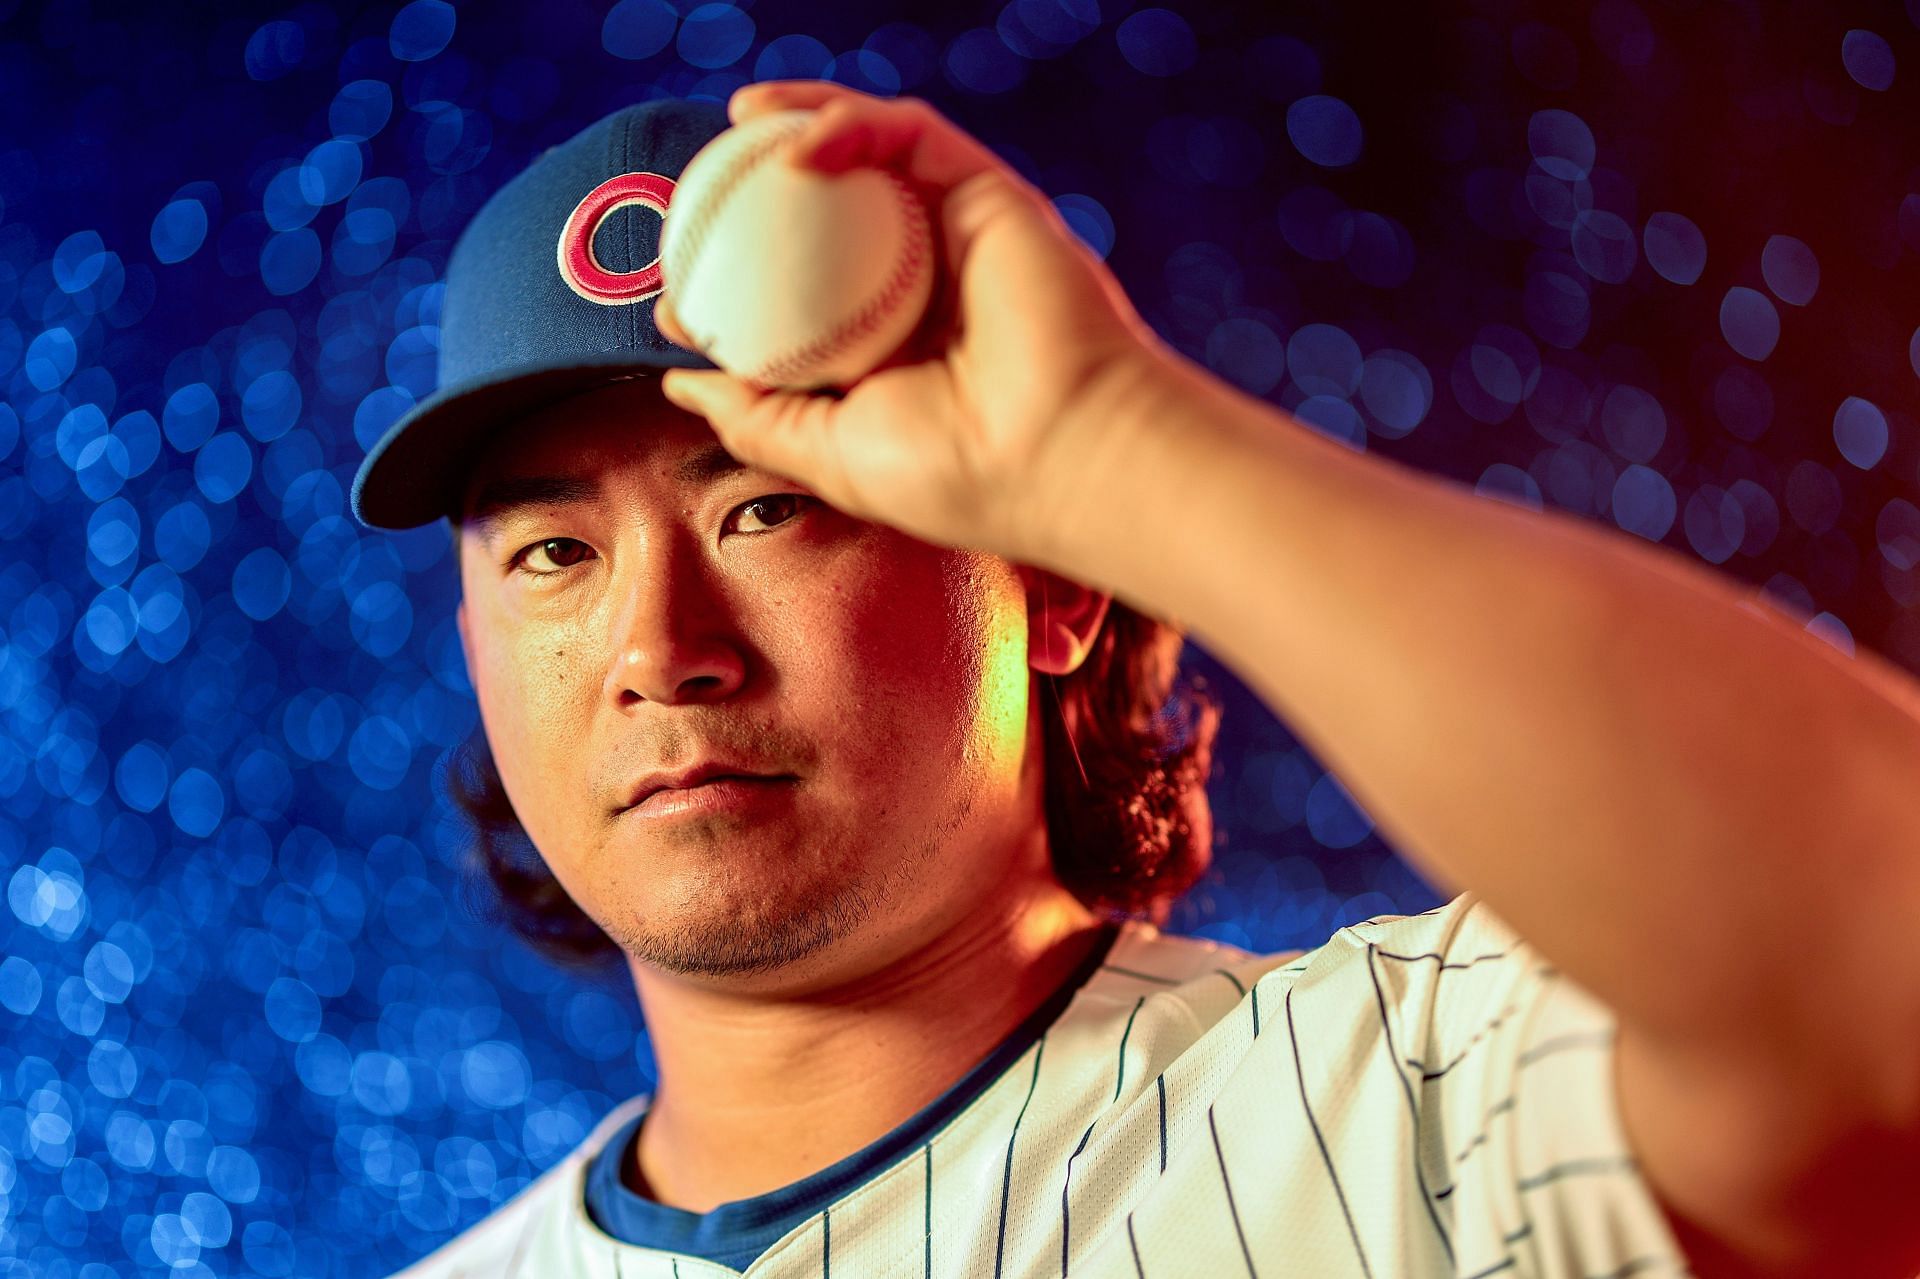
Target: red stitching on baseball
<point>697,229</point>
<point>868,318</point>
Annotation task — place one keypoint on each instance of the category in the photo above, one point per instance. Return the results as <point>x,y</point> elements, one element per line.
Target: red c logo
<point>581,269</point>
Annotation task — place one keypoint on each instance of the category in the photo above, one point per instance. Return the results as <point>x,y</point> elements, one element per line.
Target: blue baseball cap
<point>548,293</point>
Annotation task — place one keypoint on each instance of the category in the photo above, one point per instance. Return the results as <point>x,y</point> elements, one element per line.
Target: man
<point>891,1042</point>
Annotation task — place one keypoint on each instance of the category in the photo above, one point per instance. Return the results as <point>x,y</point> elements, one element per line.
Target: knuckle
<point>920,108</point>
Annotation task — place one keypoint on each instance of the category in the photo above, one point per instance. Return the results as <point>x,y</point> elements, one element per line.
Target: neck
<point>757,1091</point>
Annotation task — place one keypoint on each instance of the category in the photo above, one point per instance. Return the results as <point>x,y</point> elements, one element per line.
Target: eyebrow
<point>703,466</point>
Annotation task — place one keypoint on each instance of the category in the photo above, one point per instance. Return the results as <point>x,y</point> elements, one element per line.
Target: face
<point>634,600</point>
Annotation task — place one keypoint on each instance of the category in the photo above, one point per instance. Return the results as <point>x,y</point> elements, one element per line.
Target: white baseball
<point>789,278</point>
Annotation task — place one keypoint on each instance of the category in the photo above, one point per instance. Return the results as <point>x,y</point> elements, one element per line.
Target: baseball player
<point>761,674</point>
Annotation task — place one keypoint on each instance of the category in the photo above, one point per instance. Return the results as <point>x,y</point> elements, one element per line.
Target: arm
<point>1703,814</point>
<point>1706,816</point>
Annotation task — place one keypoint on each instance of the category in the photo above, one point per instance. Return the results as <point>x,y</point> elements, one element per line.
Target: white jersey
<point>1420,1096</point>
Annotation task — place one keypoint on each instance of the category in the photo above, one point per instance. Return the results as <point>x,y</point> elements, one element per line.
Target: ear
<point>1063,618</point>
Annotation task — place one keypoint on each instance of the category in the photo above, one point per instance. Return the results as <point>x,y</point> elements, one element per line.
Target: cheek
<point>529,689</point>
<point>933,660</point>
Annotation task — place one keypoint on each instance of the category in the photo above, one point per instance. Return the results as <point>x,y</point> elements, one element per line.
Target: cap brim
<point>417,472</point>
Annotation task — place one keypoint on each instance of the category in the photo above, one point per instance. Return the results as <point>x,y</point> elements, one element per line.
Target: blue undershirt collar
<point>736,1233</point>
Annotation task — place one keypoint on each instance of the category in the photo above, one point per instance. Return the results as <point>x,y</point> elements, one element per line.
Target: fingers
<point>714,396</point>
<point>855,129</point>
<point>751,100</point>
<point>780,431</point>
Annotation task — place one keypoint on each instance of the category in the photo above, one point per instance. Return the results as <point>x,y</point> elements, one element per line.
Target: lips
<point>715,797</point>
<point>698,775</point>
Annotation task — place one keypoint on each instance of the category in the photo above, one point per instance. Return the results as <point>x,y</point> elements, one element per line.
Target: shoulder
<point>506,1243</point>
<point>1461,933</point>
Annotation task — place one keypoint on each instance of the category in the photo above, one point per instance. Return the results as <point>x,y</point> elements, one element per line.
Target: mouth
<point>719,794</point>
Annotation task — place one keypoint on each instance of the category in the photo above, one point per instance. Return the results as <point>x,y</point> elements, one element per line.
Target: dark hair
<point>1129,747</point>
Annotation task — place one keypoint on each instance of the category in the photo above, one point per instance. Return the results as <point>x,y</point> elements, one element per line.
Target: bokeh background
<point>1650,263</point>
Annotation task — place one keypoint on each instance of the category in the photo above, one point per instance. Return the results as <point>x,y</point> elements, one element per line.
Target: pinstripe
<point>1135,973</point>
<point>1325,1157</point>
<point>1480,1138</point>
<point>1272,1157</point>
<point>1006,1178</point>
<point>1413,1105</point>
<point>1066,1186</point>
<point>1462,1055</point>
<point>1562,1043</point>
<point>1162,1082</point>
<point>1444,966</point>
<point>1577,1168</point>
<point>1120,1072</point>
<point>1227,1183</point>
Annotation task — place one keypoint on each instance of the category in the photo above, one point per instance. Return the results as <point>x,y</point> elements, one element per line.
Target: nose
<point>674,636</point>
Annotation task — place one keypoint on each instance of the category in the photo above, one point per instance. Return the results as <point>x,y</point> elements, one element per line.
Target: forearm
<point>1701,812</point>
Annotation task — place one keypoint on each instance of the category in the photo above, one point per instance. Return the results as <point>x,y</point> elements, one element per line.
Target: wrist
<point>1105,438</point>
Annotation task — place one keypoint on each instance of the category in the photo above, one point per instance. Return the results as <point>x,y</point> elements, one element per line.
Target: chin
<point>725,928</point>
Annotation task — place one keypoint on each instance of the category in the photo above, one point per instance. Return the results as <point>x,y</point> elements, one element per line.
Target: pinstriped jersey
<point>1419,1096</point>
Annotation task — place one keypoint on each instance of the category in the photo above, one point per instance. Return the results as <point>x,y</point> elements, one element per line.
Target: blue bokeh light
<point>1749,322</point>
<point>1868,59</point>
<point>421,30</point>
<point>1675,247</point>
<point>714,36</point>
<point>289,261</point>
<point>1790,269</point>
<point>1089,220</point>
<point>1604,246</point>
<point>980,62</point>
<point>1397,389</point>
<point>638,29</point>
<point>1562,144</point>
<point>1156,42</point>
<point>1325,130</point>
<point>179,229</point>
<point>360,109</point>
<point>1634,423</point>
<point>1860,432</point>
<point>792,57</point>
<point>274,49</point>
<point>1323,359</point>
<point>1247,353</point>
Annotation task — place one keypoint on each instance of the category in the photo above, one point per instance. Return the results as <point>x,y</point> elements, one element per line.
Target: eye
<point>566,559</point>
<point>775,502</point>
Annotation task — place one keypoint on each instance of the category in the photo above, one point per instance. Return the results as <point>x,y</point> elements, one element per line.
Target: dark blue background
<point>1653,264</point>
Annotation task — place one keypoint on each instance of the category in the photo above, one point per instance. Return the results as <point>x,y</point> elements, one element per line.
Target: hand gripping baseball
<point>976,432</point>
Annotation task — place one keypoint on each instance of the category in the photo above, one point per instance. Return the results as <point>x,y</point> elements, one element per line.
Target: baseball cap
<point>549,291</point>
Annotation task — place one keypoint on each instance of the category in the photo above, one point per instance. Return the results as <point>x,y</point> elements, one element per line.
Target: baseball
<point>787,278</point>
